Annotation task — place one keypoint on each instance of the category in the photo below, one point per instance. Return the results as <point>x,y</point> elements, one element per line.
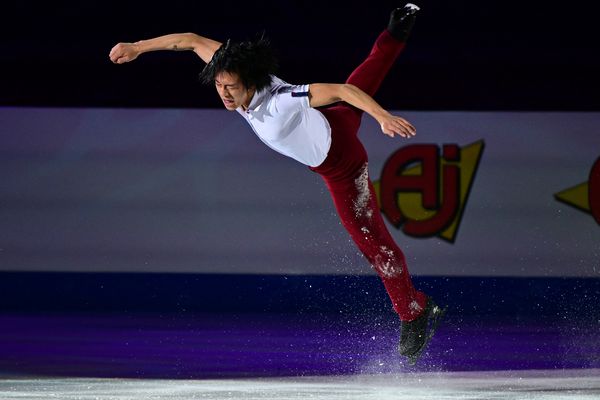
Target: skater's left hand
<point>392,125</point>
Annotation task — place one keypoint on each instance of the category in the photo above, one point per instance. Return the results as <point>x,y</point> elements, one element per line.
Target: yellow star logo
<point>585,196</point>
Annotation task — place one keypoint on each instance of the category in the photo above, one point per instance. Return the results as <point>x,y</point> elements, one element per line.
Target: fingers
<point>392,131</point>
<point>398,126</point>
<point>410,127</point>
<point>118,54</point>
<point>406,127</point>
<point>114,56</point>
<point>120,58</point>
<point>403,128</point>
<point>115,52</point>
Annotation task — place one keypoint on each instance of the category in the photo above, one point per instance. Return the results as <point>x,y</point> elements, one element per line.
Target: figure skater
<point>317,124</point>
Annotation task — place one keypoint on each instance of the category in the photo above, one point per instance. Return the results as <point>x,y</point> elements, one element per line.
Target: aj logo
<point>426,194</point>
<point>586,195</point>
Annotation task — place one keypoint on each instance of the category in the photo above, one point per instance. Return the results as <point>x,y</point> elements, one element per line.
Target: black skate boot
<point>416,334</point>
<point>402,21</point>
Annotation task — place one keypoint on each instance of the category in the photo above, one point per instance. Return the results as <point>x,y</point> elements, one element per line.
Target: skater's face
<point>232,91</point>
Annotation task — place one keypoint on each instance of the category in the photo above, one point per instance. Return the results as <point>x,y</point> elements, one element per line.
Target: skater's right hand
<point>124,52</point>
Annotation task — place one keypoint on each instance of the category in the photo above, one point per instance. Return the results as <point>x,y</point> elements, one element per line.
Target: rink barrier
<point>140,292</point>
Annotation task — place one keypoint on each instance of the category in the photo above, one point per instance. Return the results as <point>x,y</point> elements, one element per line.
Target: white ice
<point>509,385</point>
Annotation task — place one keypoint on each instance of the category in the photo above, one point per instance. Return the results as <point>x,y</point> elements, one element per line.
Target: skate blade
<point>437,314</point>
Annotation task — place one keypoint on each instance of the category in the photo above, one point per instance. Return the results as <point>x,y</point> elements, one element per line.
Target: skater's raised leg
<point>369,75</point>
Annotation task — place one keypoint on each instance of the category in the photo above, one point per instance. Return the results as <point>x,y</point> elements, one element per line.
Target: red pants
<point>345,171</point>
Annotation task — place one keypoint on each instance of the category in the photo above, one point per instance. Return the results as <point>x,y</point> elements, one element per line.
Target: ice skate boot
<point>402,21</point>
<point>416,334</point>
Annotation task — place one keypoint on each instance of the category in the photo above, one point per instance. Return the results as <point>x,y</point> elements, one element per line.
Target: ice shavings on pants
<point>361,203</point>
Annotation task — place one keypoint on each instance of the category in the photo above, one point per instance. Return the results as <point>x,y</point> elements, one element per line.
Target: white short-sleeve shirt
<point>282,118</point>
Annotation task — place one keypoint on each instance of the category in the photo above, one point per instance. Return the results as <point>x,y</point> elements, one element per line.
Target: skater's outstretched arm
<point>202,46</point>
<point>322,94</point>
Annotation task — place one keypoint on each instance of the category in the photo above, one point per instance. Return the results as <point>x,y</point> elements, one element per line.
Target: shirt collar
<point>257,99</point>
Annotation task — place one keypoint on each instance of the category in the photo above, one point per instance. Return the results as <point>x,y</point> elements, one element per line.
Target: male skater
<point>285,117</point>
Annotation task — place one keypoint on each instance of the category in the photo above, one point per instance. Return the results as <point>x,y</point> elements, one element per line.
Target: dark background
<point>463,55</point>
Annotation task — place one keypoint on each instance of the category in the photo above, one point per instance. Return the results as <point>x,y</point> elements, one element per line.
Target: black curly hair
<point>253,61</point>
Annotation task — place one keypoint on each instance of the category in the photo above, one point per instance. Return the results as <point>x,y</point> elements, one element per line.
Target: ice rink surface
<point>106,357</point>
<point>530,384</point>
